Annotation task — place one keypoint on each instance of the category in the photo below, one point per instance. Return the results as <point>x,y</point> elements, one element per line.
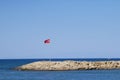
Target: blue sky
<point>77,28</point>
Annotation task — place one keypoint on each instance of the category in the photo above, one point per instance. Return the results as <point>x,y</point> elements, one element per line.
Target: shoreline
<point>69,65</point>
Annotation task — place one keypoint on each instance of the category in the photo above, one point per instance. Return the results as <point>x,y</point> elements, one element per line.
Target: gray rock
<point>70,65</point>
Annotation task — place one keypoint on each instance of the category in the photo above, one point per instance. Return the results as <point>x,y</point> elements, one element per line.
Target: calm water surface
<point>8,73</point>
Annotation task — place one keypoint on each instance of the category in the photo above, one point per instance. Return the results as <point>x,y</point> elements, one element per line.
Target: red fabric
<point>47,41</point>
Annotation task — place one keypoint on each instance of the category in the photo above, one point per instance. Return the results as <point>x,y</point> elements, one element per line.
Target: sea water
<point>7,71</point>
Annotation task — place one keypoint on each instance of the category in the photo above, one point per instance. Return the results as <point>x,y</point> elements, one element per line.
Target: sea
<point>7,71</point>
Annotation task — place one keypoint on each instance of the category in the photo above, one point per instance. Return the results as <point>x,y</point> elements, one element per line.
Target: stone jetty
<point>70,65</point>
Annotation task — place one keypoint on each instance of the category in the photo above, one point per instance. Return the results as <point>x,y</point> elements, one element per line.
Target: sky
<point>77,29</point>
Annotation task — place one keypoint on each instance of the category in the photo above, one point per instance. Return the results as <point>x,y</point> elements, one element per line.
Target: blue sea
<point>7,71</point>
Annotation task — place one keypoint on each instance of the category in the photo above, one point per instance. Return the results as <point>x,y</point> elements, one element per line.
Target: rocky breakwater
<point>70,65</point>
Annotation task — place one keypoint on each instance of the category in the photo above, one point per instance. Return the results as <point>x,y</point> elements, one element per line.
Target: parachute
<point>47,41</point>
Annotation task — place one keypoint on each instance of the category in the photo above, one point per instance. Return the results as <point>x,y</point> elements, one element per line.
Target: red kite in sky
<point>47,41</point>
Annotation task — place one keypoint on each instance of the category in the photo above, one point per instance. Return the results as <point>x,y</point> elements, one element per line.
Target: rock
<point>70,65</point>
